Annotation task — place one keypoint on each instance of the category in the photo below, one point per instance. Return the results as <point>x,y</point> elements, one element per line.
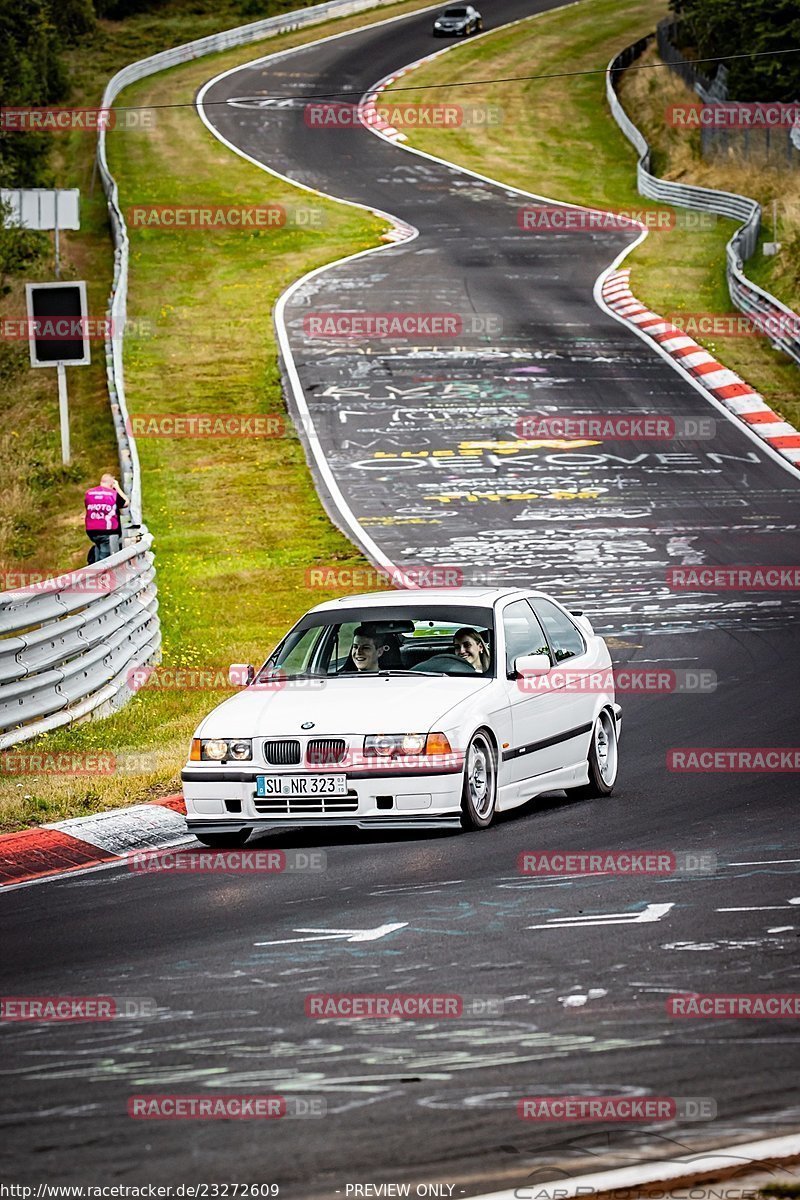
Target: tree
<point>722,28</point>
<point>31,73</point>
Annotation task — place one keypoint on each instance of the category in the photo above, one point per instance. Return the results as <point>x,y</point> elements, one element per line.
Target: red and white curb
<point>724,385</point>
<point>709,1165</point>
<point>81,842</point>
<point>367,107</point>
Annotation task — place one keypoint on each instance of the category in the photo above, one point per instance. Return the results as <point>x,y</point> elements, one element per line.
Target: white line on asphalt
<point>763,862</point>
<point>792,905</point>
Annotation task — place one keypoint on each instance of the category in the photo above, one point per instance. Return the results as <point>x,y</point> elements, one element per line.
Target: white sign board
<point>42,208</point>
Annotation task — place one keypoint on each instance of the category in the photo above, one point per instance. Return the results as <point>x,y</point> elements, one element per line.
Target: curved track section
<point>422,435</point>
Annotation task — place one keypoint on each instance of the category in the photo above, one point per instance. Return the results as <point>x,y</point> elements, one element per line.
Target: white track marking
<point>349,935</point>
<point>653,912</point>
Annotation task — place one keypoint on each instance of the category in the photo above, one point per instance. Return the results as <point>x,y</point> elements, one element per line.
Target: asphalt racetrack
<point>582,965</point>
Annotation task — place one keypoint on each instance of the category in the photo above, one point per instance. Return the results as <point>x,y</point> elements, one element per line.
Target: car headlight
<point>219,749</point>
<point>385,745</point>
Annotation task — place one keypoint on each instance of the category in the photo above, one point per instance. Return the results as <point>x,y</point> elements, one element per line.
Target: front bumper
<point>224,799</point>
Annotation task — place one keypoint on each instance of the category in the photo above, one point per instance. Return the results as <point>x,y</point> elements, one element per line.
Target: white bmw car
<point>420,709</point>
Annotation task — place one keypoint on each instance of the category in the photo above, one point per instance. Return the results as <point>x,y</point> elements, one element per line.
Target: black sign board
<point>57,326</point>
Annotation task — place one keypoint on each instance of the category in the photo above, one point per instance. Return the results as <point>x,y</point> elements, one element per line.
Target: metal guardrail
<point>781,324</point>
<point>68,644</point>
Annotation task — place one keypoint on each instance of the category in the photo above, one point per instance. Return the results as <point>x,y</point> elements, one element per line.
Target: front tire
<point>224,841</point>
<point>603,760</point>
<point>479,789</point>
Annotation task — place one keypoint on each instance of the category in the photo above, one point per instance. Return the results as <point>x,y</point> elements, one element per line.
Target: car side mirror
<point>241,674</point>
<point>532,664</point>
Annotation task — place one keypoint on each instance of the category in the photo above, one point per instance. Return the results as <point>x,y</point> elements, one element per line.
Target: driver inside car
<point>372,650</point>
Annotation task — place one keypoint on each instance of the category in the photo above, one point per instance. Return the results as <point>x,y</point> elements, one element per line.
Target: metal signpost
<point>43,208</point>
<point>58,337</point>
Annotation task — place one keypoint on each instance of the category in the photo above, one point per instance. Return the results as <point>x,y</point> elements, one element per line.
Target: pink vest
<point>101,510</point>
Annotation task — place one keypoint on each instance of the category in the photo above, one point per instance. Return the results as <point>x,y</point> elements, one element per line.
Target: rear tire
<point>603,760</point>
<point>224,841</point>
<point>479,789</point>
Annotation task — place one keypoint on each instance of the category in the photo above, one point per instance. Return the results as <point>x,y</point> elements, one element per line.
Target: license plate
<point>301,785</point>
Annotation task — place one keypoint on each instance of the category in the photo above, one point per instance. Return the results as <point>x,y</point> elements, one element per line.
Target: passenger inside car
<point>471,648</point>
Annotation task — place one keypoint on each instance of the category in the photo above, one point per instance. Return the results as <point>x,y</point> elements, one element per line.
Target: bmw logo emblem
<point>307,725</point>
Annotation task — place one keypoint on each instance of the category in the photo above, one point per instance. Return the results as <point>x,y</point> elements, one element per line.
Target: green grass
<point>558,138</point>
<point>236,521</point>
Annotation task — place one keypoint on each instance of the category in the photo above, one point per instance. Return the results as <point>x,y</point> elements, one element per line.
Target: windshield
<point>454,12</point>
<point>413,640</point>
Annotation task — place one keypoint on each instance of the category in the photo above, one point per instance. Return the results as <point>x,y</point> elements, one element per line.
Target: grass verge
<point>558,138</point>
<point>236,521</point>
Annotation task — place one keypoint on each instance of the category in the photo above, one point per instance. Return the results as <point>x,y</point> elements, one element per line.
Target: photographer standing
<point>103,505</point>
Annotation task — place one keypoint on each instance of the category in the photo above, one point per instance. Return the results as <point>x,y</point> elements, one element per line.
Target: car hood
<point>340,707</point>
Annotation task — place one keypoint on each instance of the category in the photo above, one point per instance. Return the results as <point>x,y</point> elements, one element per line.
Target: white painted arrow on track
<point>652,912</point>
<point>347,935</point>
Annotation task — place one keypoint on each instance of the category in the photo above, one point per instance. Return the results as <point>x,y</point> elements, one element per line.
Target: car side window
<point>523,633</point>
<point>565,638</point>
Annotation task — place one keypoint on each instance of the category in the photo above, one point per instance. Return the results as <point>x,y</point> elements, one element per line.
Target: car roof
<point>479,597</point>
